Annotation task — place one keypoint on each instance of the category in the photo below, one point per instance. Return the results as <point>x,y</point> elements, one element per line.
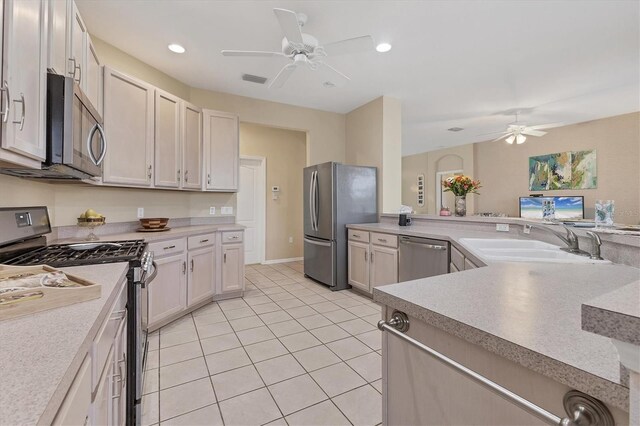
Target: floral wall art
<point>563,170</point>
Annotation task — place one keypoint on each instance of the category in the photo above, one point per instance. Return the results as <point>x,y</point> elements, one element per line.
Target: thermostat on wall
<point>275,189</point>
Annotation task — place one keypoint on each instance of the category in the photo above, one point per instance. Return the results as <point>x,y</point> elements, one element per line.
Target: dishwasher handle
<point>424,245</point>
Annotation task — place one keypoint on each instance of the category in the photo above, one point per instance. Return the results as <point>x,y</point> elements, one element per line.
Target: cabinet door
<point>201,282</point>
<point>191,146</point>
<point>102,408</point>
<point>358,259</point>
<point>232,267</point>
<point>119,397</point>
<point>94,77</point>
<point>77,47</point>
<point>128,125</point>
<point>76,407</point>
<point>221,150</point>
<point>58,16</point>
<point>384,266</point>
<point>167,140</point>
<point>168,291</point>
<point>24,72</point>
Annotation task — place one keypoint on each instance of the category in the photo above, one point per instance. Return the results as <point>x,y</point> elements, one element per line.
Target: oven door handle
<point>147,281</point>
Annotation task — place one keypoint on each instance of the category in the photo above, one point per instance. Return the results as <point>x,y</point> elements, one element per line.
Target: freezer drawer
<point>422,257</point>
<point>319,260</point>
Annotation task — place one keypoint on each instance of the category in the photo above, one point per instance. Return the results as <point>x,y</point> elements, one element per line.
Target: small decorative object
<point>563,170</point>
<point>604,213</point>
<point>460,186</point>
<point>444,211</point>
<point>90,219</point>
<point>420,183</point>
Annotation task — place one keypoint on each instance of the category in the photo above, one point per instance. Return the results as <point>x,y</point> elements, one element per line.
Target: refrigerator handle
<point>316,202</point>
<point>311,200</point>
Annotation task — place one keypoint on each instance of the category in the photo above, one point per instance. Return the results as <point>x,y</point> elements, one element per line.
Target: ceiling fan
<point>517,132</point>
<point>303,49</point>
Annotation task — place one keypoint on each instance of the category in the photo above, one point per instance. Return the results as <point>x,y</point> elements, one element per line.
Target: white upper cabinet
<point>23,82</point>
<point>77,47</point>
<point>191,146</point>
<point>167,140</point>
<point>128,123</point>
<point>221,150</point>
<point>93,74</point>
<point>58,56</point>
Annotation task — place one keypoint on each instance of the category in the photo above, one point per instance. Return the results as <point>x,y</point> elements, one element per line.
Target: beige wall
<point>429,163</point>
<point>503,168</point>
<point>374,136</point>
<point>285,153</point>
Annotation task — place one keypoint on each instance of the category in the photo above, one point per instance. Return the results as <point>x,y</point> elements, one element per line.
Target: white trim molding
<point>274,261</point>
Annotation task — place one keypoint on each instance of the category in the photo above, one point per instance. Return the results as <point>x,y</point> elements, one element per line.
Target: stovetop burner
<point>61,255</point>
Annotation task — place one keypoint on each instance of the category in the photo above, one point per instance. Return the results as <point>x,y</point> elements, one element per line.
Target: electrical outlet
<point>290,240</point>
<point>212,210</point>
<point>140,212</point>
<point>502,227</point>
<point>526,229</point>
<point>226,210</point>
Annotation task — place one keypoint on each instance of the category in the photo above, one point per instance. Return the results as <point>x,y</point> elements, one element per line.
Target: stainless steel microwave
<point>76,143</point>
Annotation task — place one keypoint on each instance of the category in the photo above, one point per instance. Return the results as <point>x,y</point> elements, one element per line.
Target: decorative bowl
<point>154,222</point>
<point>91,223</point>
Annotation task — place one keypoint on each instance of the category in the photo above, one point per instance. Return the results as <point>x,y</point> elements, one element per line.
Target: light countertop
<point>42,352</point>
<point>615,314</point>
<point>529,313</point>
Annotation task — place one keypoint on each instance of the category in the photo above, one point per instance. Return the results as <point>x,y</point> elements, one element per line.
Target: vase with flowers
<point>460,186</point>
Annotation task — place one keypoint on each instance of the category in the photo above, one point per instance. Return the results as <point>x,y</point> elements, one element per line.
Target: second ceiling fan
<point>304,49</point>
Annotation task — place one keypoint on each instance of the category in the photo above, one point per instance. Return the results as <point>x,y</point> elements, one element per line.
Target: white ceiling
<point>453,63</point>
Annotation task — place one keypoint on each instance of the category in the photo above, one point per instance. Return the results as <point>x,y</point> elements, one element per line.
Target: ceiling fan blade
<point>545,126</point>
<point>532,132</point>
<point>501,137</point>
<point>289,23</point>
<point>282,76</point>
<point>251,53</point>
<point>340,79</point>
<point>492,133</point>
<point>349,46</point>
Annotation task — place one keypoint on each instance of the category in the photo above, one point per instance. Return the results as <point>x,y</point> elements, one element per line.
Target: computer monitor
<point>571,208</point>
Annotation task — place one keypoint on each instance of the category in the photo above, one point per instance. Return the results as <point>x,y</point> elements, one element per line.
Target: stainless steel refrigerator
<point>335,195</point>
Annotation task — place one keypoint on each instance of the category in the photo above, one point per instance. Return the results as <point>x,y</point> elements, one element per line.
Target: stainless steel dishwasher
<point>422,257</point>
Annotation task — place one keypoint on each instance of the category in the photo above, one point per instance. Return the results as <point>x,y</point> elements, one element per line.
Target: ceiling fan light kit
<point>518,132</point>
<point>304,50</point>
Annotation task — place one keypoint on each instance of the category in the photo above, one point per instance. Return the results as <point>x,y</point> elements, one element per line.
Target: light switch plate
<point>140,212</point>
<point>502,227</point>
<point>226,210</point>
<point>212,210</point>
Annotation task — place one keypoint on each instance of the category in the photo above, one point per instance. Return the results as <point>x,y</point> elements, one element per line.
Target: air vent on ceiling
<point>254,78</point>
<point>455,129</point>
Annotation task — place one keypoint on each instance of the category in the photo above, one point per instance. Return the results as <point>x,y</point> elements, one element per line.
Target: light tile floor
<point>290,352</point>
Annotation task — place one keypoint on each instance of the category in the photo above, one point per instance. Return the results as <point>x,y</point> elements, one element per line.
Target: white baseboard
<point>274,261</point>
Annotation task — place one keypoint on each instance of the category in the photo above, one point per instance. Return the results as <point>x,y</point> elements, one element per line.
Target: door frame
<point>262,202</point>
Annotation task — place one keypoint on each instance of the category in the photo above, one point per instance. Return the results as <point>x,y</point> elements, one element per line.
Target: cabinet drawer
<point>386,240</point>
<point>457,258</point>
<point>76,405</point>
<point>198,241</point>
<point>104,339</point>
<point>232,237</point>
<point>165,248</point>
<point>356,235</point>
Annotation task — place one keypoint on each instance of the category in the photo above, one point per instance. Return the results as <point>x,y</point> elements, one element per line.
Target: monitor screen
<point>552,207</point>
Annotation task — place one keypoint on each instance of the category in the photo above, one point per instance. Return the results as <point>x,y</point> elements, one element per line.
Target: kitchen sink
<point>513,250</point>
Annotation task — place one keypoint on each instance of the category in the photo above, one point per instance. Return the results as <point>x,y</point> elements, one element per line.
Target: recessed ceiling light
<point>329,84</point>
<point>455,129</point>
<point>383,47</point>
<point>176,48</point>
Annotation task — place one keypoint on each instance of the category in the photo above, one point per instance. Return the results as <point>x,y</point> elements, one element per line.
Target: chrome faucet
<point>571,239</point>
<point>596,242</point>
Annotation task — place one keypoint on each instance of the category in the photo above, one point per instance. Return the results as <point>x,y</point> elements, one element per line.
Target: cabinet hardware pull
<point>7,101</point>
<point>178,175</point>
<point>204,241</point>
<point>79,68</point>
<point>382,240</point>
<point>73,72</point>
<point>115,382</point>
<point>149,173</point>
<point>169,247</point>
<point>371,257</point>
<point>86,420</point>
<point>366,256</point>
<point>235,237</point>
<point>225,258</point>
<point>184,267</point>
<point>115,315</point>
<point>208,178</point>
<point>186,175</point>
<point>21,121</point>
<point>191,265</point>
<point>355,235</point>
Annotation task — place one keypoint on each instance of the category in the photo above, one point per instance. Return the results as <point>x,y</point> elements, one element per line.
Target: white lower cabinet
<point>232,268</point>
<point>201,282</point>
<point>102,408</point>
<point>167,293</point>
<point>76,407</point>
<point>118,399</point>
<point>373,263</point>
